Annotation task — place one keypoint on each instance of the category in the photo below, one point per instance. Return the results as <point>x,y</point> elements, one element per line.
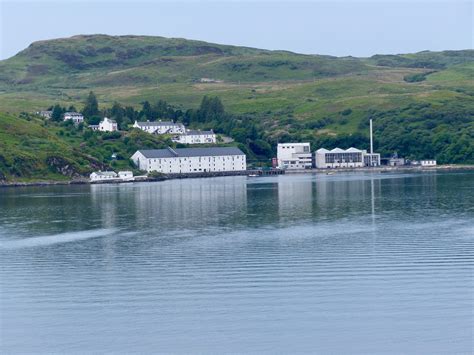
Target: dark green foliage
<point>57,114</point>
<point>91,106</point>
<point>415,78</point>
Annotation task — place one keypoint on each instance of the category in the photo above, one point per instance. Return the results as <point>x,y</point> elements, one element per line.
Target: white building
<point>111,176</point>
<point>108,125</point>
<point>196,137</point>
<point>428,162</point>
<point>74,116</point>
<point>160,127</point>
<point>125,175</point>
<point>349,158</point>
<point>294,156</point>
<point>45,114</point>
<point>190,160</point>
<point>103,176</point>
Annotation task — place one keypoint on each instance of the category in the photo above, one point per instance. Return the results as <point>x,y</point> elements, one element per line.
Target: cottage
<point>160,127</point>
<point>294,156</point>
<point>428,162</point>
<point>106,125</point>
<point>74,117</point>
<point>125,175</point>
<point>103,176</point>
<point>190,160</point>
<point>196,137</point>
<point>45,114</point>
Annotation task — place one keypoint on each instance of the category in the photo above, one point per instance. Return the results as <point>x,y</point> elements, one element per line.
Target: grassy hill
<point>412,97</point>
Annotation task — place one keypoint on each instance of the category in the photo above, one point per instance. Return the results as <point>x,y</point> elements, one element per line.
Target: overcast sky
<point>342,27</point>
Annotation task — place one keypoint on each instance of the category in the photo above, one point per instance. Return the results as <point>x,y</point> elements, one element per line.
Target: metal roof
<point>158,123</point>
<point>191,152</point>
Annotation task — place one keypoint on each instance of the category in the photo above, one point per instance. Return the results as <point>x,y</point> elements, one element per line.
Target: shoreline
<point>381,169</point>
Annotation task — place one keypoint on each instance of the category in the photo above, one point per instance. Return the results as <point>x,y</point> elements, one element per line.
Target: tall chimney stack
<point>371,139</point>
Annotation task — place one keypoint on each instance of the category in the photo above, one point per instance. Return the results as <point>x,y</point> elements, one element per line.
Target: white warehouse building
<point>190,160</point>
<point>294,156</point>
<point>160,127</point>
<point>196,137</point>
<point>349,158</point>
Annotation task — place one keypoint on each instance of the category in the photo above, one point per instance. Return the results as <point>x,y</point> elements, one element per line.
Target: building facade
<point>428,162</point>
<point>349,158</point>
<point>160,127</point>
<point>294,156</point>
<point>196,137</point>
<point>190,160</point>
<point>45,114</point>
<point>74,117</point>
<point>111,176</point>
<point>108,125</point>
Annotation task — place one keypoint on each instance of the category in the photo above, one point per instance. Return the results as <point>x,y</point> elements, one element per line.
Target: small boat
<point>253,175</point>
<point>330,173</point>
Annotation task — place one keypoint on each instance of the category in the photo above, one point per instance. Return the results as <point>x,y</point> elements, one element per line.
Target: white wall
<point>294,155</point>
<point>183,165</point>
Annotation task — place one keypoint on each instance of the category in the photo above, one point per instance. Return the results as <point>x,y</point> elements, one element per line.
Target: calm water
<point>360,263</point>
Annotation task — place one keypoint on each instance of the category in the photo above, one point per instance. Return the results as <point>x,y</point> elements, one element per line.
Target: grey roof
<point>105,173</point>
<point>191,152</point>
<point>158,123</point>
<point>198,133</point>
<point>73,113</point>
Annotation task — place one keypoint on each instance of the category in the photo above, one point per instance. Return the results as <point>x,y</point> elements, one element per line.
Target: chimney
<point>371,139</point>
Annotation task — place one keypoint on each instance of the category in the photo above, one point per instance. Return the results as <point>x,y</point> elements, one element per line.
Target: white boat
<point>253,175</point>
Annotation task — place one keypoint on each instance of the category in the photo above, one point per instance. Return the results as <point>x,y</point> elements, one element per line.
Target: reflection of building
<point>349,158</point>
<point>294,156</point>
<point>160,127</point>
<point>190,160</point>
<point>295,196</point>
<point>196,137</point>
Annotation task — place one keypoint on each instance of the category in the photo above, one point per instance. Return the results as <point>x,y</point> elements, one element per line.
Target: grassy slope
<point>287,91</point>
<point>32,149</point>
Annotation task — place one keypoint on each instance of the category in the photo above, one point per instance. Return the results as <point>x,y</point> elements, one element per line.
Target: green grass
<point>286,93</point>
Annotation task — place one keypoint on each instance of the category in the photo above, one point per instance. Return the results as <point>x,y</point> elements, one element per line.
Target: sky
<point>340,27</point>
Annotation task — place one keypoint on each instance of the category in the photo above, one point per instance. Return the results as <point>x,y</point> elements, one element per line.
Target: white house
<point>74,116</point>
<point>190,160</point>
<point>125,175</point>
<point>428,162</point>
<point>349,158</point>
<point>45,114</point>
<point>111,176</point>
<point>161,127</point>
<point>196,137</point>
<point>103,176</point>
<point>294,156</point>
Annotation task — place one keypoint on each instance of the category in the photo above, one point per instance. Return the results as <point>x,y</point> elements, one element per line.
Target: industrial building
<point>294,156</point>
<point>190,160</point>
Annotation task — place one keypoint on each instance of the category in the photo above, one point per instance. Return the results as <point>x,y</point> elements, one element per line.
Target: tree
<point>57,113</point>
<point>91,106</point>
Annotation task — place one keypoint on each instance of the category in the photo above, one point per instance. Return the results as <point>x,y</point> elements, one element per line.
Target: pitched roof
<point>105,173</point>
<point>191,152</point>
<point>73,113</point>
<point>158,123</point>
<point>322,150</point>
<point>353,150</point>
<point>337,150</point>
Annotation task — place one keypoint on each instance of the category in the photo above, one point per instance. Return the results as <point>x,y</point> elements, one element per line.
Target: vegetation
<point>422,103</point>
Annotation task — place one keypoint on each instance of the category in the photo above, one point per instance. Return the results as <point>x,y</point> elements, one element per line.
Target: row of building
<point>299,156</point>
<point>180,133</point>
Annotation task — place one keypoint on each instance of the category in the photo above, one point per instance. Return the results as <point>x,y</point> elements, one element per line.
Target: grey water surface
<point>344,263</point>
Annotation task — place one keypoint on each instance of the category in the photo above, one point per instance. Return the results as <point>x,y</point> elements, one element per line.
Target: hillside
<point>420,97</point>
